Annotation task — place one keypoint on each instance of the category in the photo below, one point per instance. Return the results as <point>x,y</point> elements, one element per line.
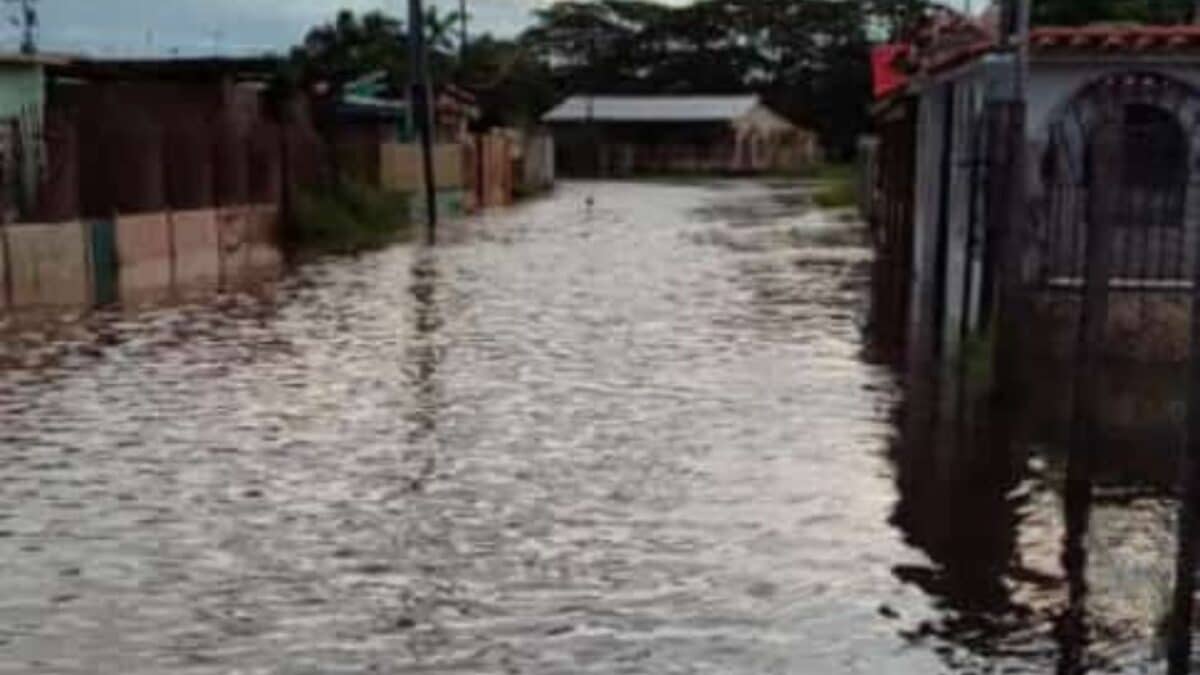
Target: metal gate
<point>1120,152</point>
<point>892,223</point>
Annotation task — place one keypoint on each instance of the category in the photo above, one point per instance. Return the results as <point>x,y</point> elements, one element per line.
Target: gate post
<point>1179,649</point>
<point>1007,214</point>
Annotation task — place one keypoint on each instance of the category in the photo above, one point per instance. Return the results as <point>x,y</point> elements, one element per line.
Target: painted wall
<point>23,98</point>
<point>537,162</point>
<point>143,259</point>
<point>21,88</point>
<point>402,168</point>
<point>1052,84</point>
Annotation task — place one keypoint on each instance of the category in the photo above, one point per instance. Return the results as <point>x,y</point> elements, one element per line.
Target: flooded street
<point>645,437</point>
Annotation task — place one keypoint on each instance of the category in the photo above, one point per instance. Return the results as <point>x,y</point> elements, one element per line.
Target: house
<point>1111,133</point>
<point>624,135</point>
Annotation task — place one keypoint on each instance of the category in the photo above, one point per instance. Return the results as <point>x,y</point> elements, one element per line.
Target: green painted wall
<point>23,96</point>
<point>21,88</point>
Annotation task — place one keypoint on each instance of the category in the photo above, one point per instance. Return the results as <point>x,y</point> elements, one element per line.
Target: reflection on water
<point>1052,546</point>
<point>642,437</point>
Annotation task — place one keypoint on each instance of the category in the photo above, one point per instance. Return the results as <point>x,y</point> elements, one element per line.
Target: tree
<point>809,58</point>
<point>350,47</point>
<point>513,86</point>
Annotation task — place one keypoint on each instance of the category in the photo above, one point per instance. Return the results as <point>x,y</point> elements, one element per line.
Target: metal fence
<point>1118,159</point>
<point>105,155</point>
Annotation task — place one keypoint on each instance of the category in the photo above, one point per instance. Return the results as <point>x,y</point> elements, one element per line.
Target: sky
<point>224,27</point>
<point>230,27</point>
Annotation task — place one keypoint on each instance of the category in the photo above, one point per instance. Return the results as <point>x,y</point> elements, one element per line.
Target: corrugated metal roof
<point>652,108</point>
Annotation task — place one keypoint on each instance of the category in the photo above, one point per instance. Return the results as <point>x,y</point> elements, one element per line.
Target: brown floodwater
<point>650,436</point>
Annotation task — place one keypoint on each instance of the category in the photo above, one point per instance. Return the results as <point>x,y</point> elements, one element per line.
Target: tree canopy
<point>809,59</point>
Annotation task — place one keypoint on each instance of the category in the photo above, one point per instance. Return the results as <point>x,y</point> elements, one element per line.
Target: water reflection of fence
<point>1096,269</point>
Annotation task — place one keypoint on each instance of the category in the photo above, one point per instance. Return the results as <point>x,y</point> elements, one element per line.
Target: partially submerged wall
<point>138,260</point>
<point>402,167</point>
<point>47,265</point>
<point>537,163</point>
<point>1142,327</point>
<point>496,170</point>
<point>195,242</point>
<point>144,261</point>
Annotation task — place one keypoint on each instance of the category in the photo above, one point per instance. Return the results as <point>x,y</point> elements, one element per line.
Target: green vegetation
<point>977,360</point>
<point>838,186</point>
<point>808,59</point>
<point>349,217</point>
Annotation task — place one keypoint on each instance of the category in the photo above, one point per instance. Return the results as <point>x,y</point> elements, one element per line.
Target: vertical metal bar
<point>1093,318</point>
<point>965,325</point>
<point>1179,631</point>
<point>942,253</point>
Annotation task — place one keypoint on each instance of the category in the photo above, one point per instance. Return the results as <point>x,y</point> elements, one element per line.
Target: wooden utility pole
<point>27,19</point>
<point>422,109</point>
<point>1009,200</point>
<point>462,37</point>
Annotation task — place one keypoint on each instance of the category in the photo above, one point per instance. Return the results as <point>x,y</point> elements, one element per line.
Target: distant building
<point>625,135</point>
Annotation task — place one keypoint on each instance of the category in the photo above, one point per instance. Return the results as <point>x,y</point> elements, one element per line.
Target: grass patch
<point>349,217</point>
<point>836,196</point>
<point>977,360</point>
<point>838,185</point>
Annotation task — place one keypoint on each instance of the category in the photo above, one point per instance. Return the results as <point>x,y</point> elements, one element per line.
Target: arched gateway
<point>1123,148</point>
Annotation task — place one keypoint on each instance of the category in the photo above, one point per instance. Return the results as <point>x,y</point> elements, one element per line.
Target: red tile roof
<point>1123,39</point>
<point>944,40</point>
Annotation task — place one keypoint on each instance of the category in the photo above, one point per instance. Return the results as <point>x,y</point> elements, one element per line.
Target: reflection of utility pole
<point>422,108</point>
<point>1009,161</point>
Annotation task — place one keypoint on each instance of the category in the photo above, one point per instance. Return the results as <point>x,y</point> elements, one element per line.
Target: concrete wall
<point>23,98</point>
<point>159,257</point>
<point>235,224</point>
<point>48,265</point>
<point>196,244</point>
<point>143,258</point>
<point>496,158</point>
<point>1052,84</point>
<point>265,260</point>
<point>402,169</point>
<point>537,163</point>
<point>1142,328</point>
